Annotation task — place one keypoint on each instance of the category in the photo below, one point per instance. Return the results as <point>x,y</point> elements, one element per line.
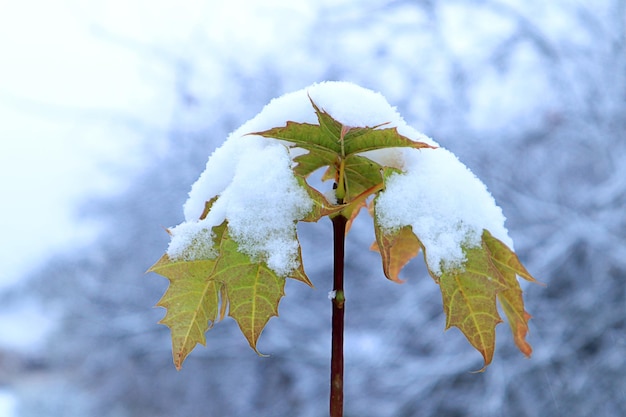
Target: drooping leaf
<point>469,300</point>
<point>509,266</point>
<point>253,290</point>
<point>396,247</point>
<point>246,287</point>
<point>471,291</point>
<point>505,257</point>
<point>396,250</point>
<point>191,301</point>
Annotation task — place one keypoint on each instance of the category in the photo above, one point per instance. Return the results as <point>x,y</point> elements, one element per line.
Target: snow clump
<point>258,195</point>
<point>445,204</point>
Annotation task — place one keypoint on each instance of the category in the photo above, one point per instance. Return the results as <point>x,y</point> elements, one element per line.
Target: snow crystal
<point>191,240</point>
<point>260,197</point>
<point>443,202</point>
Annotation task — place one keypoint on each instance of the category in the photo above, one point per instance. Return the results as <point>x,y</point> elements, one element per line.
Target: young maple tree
<point>239,242</point>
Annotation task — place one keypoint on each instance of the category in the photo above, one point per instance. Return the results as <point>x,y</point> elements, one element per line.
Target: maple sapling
<point>238,243</point>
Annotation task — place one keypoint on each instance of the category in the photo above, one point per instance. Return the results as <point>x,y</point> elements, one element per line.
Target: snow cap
<point>260,197</point>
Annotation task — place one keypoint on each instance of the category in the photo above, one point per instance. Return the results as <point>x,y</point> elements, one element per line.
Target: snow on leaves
<point>469,296</point>
<point>249,290</point>
<point>470,291</point>
<point>224,275</point>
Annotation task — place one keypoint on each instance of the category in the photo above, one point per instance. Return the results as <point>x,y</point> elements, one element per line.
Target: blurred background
<point>110,109</point>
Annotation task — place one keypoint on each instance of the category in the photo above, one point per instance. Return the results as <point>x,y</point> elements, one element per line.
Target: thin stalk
<point>338,302</point>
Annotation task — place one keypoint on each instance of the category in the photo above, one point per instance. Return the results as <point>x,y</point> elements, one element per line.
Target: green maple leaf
<point>202,290</point>
<point>339,147</point>
<point>509,267</point>
<point>396,250</point>
<point>469,300</point>
<point>191,301</point>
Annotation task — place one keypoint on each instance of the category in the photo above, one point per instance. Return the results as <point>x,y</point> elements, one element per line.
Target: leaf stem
<point>341,191</point>
<point>338,301</point>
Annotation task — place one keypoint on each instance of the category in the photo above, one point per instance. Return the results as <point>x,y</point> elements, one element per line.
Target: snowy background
<point>109,110</point>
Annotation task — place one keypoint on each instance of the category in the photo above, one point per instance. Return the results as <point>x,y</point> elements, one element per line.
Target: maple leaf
<point>396,249</point>
<point>338,147</point>
<point>246,287</point>
<point>469,300</point>
<point>470,291</point>
<point>509,266</point>
<point>191,301</point>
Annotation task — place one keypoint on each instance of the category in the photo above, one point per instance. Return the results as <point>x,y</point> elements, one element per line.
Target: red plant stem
<point>338,301</point>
